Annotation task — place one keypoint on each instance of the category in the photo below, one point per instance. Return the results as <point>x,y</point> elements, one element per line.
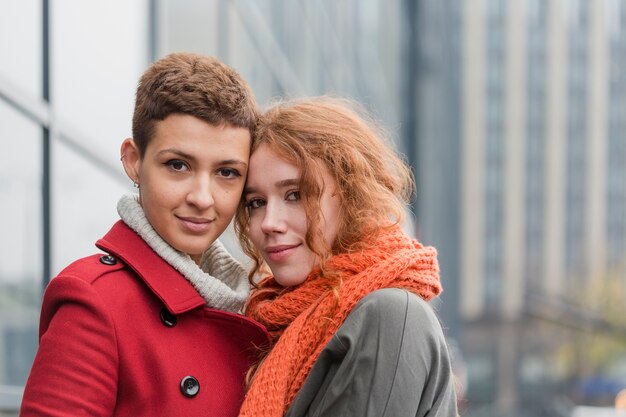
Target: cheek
<point>297,218</point>
<point>331,223</point>
<point>150,199</point>
<point>230,201</point>
<point>254,229</point>
<point>228,198</point>
<point>333,228</point>
<point>161,190</point>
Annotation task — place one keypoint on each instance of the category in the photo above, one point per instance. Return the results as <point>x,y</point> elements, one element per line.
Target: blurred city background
<point>512,114</point>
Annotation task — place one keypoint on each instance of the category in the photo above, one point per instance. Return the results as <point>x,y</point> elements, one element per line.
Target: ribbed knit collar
<point>219,279</point>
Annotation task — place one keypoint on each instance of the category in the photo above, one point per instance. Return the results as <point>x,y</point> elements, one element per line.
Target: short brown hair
<point>193,84</point>
<point>374,183</point>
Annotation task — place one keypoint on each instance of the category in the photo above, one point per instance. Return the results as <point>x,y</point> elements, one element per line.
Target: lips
<point>195,224</point>
<point>280,252</point>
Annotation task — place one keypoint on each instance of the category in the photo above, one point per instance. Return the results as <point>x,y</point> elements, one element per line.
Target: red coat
<point>121,335</point>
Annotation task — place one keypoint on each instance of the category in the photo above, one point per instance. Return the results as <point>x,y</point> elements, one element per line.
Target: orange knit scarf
<point>303,319</point>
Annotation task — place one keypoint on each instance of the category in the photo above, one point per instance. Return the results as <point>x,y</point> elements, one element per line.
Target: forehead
<point>197,138</point>
<point>266,163</point>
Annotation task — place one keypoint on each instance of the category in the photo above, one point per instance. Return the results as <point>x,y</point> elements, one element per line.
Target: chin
<point>290,281</point>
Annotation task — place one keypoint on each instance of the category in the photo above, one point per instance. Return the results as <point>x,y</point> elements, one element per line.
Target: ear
<point>131,159</point>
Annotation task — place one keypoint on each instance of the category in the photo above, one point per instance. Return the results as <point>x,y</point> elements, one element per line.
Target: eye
<point>177,165</point>
<point>293,196</point>
<point>255,203</point>
<point>229,172</point>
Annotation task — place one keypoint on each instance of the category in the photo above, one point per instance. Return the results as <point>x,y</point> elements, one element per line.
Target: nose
<point>201,193</point>
<point>273,219</point>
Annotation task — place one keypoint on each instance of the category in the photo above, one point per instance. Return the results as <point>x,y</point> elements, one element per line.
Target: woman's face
<point>190,179</point>
<point>278,223</point>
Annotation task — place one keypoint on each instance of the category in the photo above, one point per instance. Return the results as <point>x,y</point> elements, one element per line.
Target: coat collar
<point>166,283</point>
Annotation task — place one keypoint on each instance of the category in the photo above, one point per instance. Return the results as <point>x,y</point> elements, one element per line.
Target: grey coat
<point>389,358</point>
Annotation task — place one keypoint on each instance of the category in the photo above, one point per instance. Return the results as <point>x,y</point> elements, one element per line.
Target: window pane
<point>20,44</point>
<point>21,241</point>
<point>99,52</point>
<point>84,204</point>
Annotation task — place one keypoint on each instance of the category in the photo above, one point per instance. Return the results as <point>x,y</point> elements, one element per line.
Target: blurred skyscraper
<point>543,185</point>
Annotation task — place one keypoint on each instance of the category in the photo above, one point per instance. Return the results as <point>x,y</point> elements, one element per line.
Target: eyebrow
<point>280,184</point>
<point>188,156</point>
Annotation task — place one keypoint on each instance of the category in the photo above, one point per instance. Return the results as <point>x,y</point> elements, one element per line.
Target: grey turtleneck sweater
<point>219,278</point>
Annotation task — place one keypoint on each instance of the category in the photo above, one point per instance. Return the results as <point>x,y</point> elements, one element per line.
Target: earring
<point>135,184</point>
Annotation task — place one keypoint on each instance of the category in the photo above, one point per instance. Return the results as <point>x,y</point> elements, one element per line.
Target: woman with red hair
<point>346,300</point>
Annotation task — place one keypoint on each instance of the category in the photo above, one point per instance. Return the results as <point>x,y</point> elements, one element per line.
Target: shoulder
<point>76,293</point>
<point>99,276</point>
<point>393,304</point>
<point>91,268</point>
<point>392,314</point>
